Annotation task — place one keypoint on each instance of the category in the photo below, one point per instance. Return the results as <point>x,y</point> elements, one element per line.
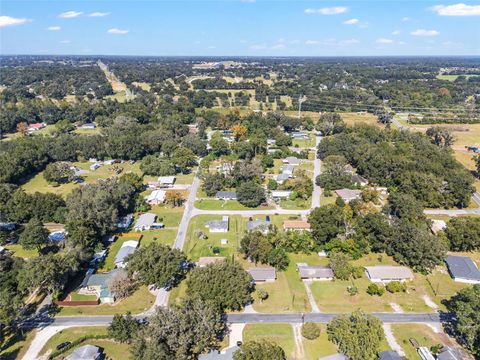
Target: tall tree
<point>357,335</point>
<point>259,350</point>
<point>34,236</point>
<point>326,222</point>
<point>123,328</point>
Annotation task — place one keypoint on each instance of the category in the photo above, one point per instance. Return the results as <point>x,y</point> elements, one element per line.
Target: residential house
<point>387,273</point>
<point>437,226</point>
<point>35,127</point>
<point>145,222</point>
<point>281,178</point>
<point>463,269</point>
<point>124,222</point>
<point>389,355</point>
<point>85,352</point>
<point>298,225</point>
<point>95,166</point>
<point>56,236</point>
<point>425,353</point>
<point>156,197</point>
<point>267,274</point>
<point>259,225</point>
<point>97,284</point>
<point>218,225</point>
<point>321,273</point>
<point>225,168</point>
<point>166,181</point>
<point>357,179</point>
<point>226,195</point>
<point>226,354</point>
<point>98,257</point>
<point>348,195</point>
<point>287,169</point>
<point>207,260</point>
<point>280,194</point>
<point>449,354</point>
<point>291,160</point>
<point>128,248</point>
<point>300,135</point>
<point>88,126</point>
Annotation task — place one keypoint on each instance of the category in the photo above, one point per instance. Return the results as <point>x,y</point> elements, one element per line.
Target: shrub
<point>374,289</point>
<point>352,290</point>
<point>357,272</point>
<point>262,294</point>
<point>396,286</point>
<point>310,331</point>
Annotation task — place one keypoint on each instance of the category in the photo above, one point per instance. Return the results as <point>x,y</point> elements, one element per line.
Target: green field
<point>281,334</point>
<point>21,252</point>
<point>112,349</point>
<point>109,263</point>
<point>140,301</point>
<point>214,204</point>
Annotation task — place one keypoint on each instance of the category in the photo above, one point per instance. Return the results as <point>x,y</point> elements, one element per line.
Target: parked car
<point>63,345</point>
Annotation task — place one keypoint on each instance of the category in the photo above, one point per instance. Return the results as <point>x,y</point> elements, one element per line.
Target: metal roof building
<point>463,269</point>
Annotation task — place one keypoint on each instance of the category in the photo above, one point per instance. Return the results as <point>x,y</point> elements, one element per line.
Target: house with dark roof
<point>86,352</point>
<point>463,269</point>
<point>389,355</point>
<point>226,195</point>
<point>267,274</point>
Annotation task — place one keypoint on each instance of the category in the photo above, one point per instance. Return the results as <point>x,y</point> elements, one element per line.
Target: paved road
<point>457,212</point>
<point>252,318</point>
<point>316,172</point>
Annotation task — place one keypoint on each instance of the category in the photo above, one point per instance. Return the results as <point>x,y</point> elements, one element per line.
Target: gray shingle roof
<point>259,225</point>
<point>389,355</point>
<point>86,352</point>
<point>263,274</point>
<point>226,195</point>
<point>145,220</point>
<point>462,267</point>
<point>311,272</point>
<point>218,225</point>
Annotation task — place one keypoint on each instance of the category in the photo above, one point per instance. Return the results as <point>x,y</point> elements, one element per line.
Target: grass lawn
<point>319,347</point>
<point>353,118</point>
<point>162,236</point>
<point>167,215</point>
<point>281,334</point>
<point>332,296</point>
<point>16,345</point>
<point>38,182</point>
<point>112,350</point>
<point>214,204</point>
<point>109,263</point>
<point>423,334</point>
<point>325,200</point>
<point>298,204</point>
<point>18,251</point>
<point>308,143</point>
<point>196,248</point>
<point>138,302</point>
<point>81,297</point>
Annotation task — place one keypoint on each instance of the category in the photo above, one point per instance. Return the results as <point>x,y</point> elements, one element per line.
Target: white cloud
<point>457,10</point>
<point>257,47</point>
<point>348,42</point>
<point>351,21</point>
<point>54,28</point>
<point>406,18</point>
<point>70,14</point>
<point>312,42</point>
<point>278,47</point>
<point>11,21</point>
<point>396,32</point>
<point>65,42</point>
<point>424,32</point>
<point>98,14</point>
<point>384,41</point>
<point>327,10</point>
<point>117,31</point>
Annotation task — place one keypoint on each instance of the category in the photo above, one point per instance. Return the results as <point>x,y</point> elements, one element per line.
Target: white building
<point>387,273</point>
<point>156,197</point>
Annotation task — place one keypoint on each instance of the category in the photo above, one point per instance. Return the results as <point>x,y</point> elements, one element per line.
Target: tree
<point>59,173</point>
<point>384,116</point>
<point>259,350</point>
<point>250,194</point>
<point>283,139</point>
<point>465,307</point>
<point>375,289</point>
<point>239,131</point>
<point>183,158</point>
<point>340,265</point>
<point>262,294</point>
<point>310,331</point>
<point>22,128</point>
<point>157,166</point>
<point>463,233</point>
<point>405,206</point>
<point>157,264</point>
<point>179,332</point>
<point>416,247</point>
<point>11,294</point>
<point>34,236</point>
<point>123,328</point>
<point>212,183</point>
<point>121,285</point>
<point>174,198</point>
<point>219,146</point>
<point>357,335</point>
<point>330,123</point>
<point>225,285</point>
<point>326,222</point>
<point>375,229</point>
<point>477,164</point>
<point>440,136</point>
<point>396,286</point>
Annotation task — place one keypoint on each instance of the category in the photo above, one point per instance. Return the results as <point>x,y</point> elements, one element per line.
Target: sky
<point>240,27</point>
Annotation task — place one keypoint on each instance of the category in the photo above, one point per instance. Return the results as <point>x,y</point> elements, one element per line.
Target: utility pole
<point>300,100</point>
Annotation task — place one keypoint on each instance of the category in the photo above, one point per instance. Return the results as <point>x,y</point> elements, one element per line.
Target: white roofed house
<point>287,169</point>
<point>267,274</point>
<point>128,248</point>
<point>166,181</point>
<point>280,194</point>
<point>259,225</point>
<point>314,272</point>
<point>145,222</point>
<point>156,197</point>
<point>281,178</point>
<point>387,273</point>
<point>292,160</point>
<point>348,195</point>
